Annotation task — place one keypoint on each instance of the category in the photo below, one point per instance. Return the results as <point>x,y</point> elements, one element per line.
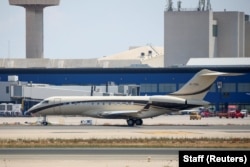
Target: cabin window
<point>45,102</point>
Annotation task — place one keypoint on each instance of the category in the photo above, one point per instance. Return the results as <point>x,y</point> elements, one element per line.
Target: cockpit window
<point>45,102</point>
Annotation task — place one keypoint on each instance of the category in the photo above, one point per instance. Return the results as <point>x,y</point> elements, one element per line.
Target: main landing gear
<point>132,122</point>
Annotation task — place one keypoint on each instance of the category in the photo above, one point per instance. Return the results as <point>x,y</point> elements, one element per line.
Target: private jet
<point>133,109</point>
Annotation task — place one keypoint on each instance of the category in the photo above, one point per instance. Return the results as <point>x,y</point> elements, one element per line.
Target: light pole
<point>219,86</point>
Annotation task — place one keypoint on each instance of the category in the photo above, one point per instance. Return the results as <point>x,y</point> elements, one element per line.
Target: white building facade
<point>247,39</point>
<point>204,34</point>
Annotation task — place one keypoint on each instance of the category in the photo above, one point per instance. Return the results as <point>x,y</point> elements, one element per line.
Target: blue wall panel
<point>134,76</point>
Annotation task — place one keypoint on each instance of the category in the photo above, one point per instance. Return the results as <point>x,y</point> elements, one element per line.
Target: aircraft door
<point>57,108</point>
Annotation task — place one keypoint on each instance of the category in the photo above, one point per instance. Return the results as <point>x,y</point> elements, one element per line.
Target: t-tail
<point>197,87</point>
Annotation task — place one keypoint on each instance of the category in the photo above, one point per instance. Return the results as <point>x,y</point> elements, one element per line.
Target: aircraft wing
<point>118,114</point>
<point>123,113</point>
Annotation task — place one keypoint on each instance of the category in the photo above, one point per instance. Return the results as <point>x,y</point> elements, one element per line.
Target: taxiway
<point>174,127</point>
<point>70,128</point>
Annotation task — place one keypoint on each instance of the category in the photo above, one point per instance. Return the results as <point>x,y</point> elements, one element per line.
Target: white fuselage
<point>116,107</point>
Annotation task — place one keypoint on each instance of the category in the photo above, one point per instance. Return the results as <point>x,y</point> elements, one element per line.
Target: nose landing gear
<point>44,121</point>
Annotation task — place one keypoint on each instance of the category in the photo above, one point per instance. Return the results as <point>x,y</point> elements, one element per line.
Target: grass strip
<point>128,143</point>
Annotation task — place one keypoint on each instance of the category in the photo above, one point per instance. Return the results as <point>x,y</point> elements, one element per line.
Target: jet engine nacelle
<point>167,99</point>
<point>177,100</point>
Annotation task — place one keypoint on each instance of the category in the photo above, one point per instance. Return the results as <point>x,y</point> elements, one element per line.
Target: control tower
<point>34,24</point>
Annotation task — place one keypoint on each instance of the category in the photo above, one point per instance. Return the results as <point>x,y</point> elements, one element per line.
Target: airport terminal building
<point>150,81</point>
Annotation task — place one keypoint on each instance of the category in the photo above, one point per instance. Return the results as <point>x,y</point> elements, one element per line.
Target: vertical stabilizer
<point>197,87</point>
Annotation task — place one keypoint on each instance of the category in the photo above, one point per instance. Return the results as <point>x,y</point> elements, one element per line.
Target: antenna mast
<point>179,5</point>
<point>209,7</point>
<point>169,5</point>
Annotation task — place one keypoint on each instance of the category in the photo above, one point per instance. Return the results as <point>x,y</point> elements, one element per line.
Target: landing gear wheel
<point>138,122</point>
<point>44,121</point>
<point>131,122</point>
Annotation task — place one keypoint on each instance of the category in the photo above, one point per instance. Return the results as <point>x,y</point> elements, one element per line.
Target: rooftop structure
<point>203,33</point>
<point>34,24</point>
<point>144,55</point>
<point>136,57</point>
<point>229,61</point>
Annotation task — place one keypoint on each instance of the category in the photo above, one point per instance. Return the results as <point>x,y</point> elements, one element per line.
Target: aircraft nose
<point>31,111</point>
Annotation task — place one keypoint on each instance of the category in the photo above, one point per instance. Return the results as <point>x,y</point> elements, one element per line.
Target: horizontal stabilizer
<point>215,73</point>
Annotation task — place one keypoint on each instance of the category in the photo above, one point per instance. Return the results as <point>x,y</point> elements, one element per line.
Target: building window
<point>215,30</point>
<point>244,87</point>
<point>229,87</point>
<point>167,88</point>
<point>147,88</point>
<point>7,89</point>
<point>9,107</point>
<point>2,107</point>
<point>181,85</point>
<point>213,88</point>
